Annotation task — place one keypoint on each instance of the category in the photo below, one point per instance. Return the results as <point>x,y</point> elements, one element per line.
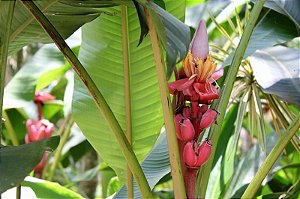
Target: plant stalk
<point>271,159</point>
<point>226,90</point>
<point>126,61</point>
<point>97,97</point>
<point>10,129</point>
<point>63,141</point>
<point>4,43</point>
<point>176,171</point>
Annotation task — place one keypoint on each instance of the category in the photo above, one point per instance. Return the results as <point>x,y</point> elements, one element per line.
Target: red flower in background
<point>41,96</point>
<point>41,128</point>
<point>38,130</point>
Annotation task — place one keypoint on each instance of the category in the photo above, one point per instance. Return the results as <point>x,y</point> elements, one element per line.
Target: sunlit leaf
<point>102,55</point>
<point>46,189</point>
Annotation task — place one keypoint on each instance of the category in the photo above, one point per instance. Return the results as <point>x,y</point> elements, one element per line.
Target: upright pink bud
<point>187,130</point>
<point>199,45</point>
<point>208,118</point>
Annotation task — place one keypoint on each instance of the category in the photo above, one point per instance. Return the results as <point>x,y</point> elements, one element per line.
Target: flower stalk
<point>177,176</point>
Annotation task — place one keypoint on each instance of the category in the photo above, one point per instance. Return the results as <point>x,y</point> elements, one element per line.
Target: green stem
<point>4,42</point>
<point>59,149</point>
<point>97,97</point>
<point>226,90</point>
<point>10,130</point>
<point>126,61</point>
<point>271,159</point>
<point>177,176</point>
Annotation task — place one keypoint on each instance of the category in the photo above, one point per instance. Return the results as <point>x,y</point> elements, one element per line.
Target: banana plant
<point>134,56</point>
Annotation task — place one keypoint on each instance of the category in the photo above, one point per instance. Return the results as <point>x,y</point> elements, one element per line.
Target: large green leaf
<point>66,18</point>
<point>25,156</point>
<point>155,166</point>
<point>282,65</point>
<point>46,189</point>
<point>102,55</point>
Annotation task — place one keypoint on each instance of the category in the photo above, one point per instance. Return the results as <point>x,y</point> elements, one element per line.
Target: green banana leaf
<point>101,53</point>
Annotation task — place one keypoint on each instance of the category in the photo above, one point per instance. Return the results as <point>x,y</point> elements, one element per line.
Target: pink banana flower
<point>199,69</point>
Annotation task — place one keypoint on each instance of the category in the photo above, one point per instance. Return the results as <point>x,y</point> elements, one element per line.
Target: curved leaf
<point>289,8</point>
<point>25,156</point>
<point>65,18</point>
<point>46,189</point>
<point>155,166</point>
<point>282,66</point>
